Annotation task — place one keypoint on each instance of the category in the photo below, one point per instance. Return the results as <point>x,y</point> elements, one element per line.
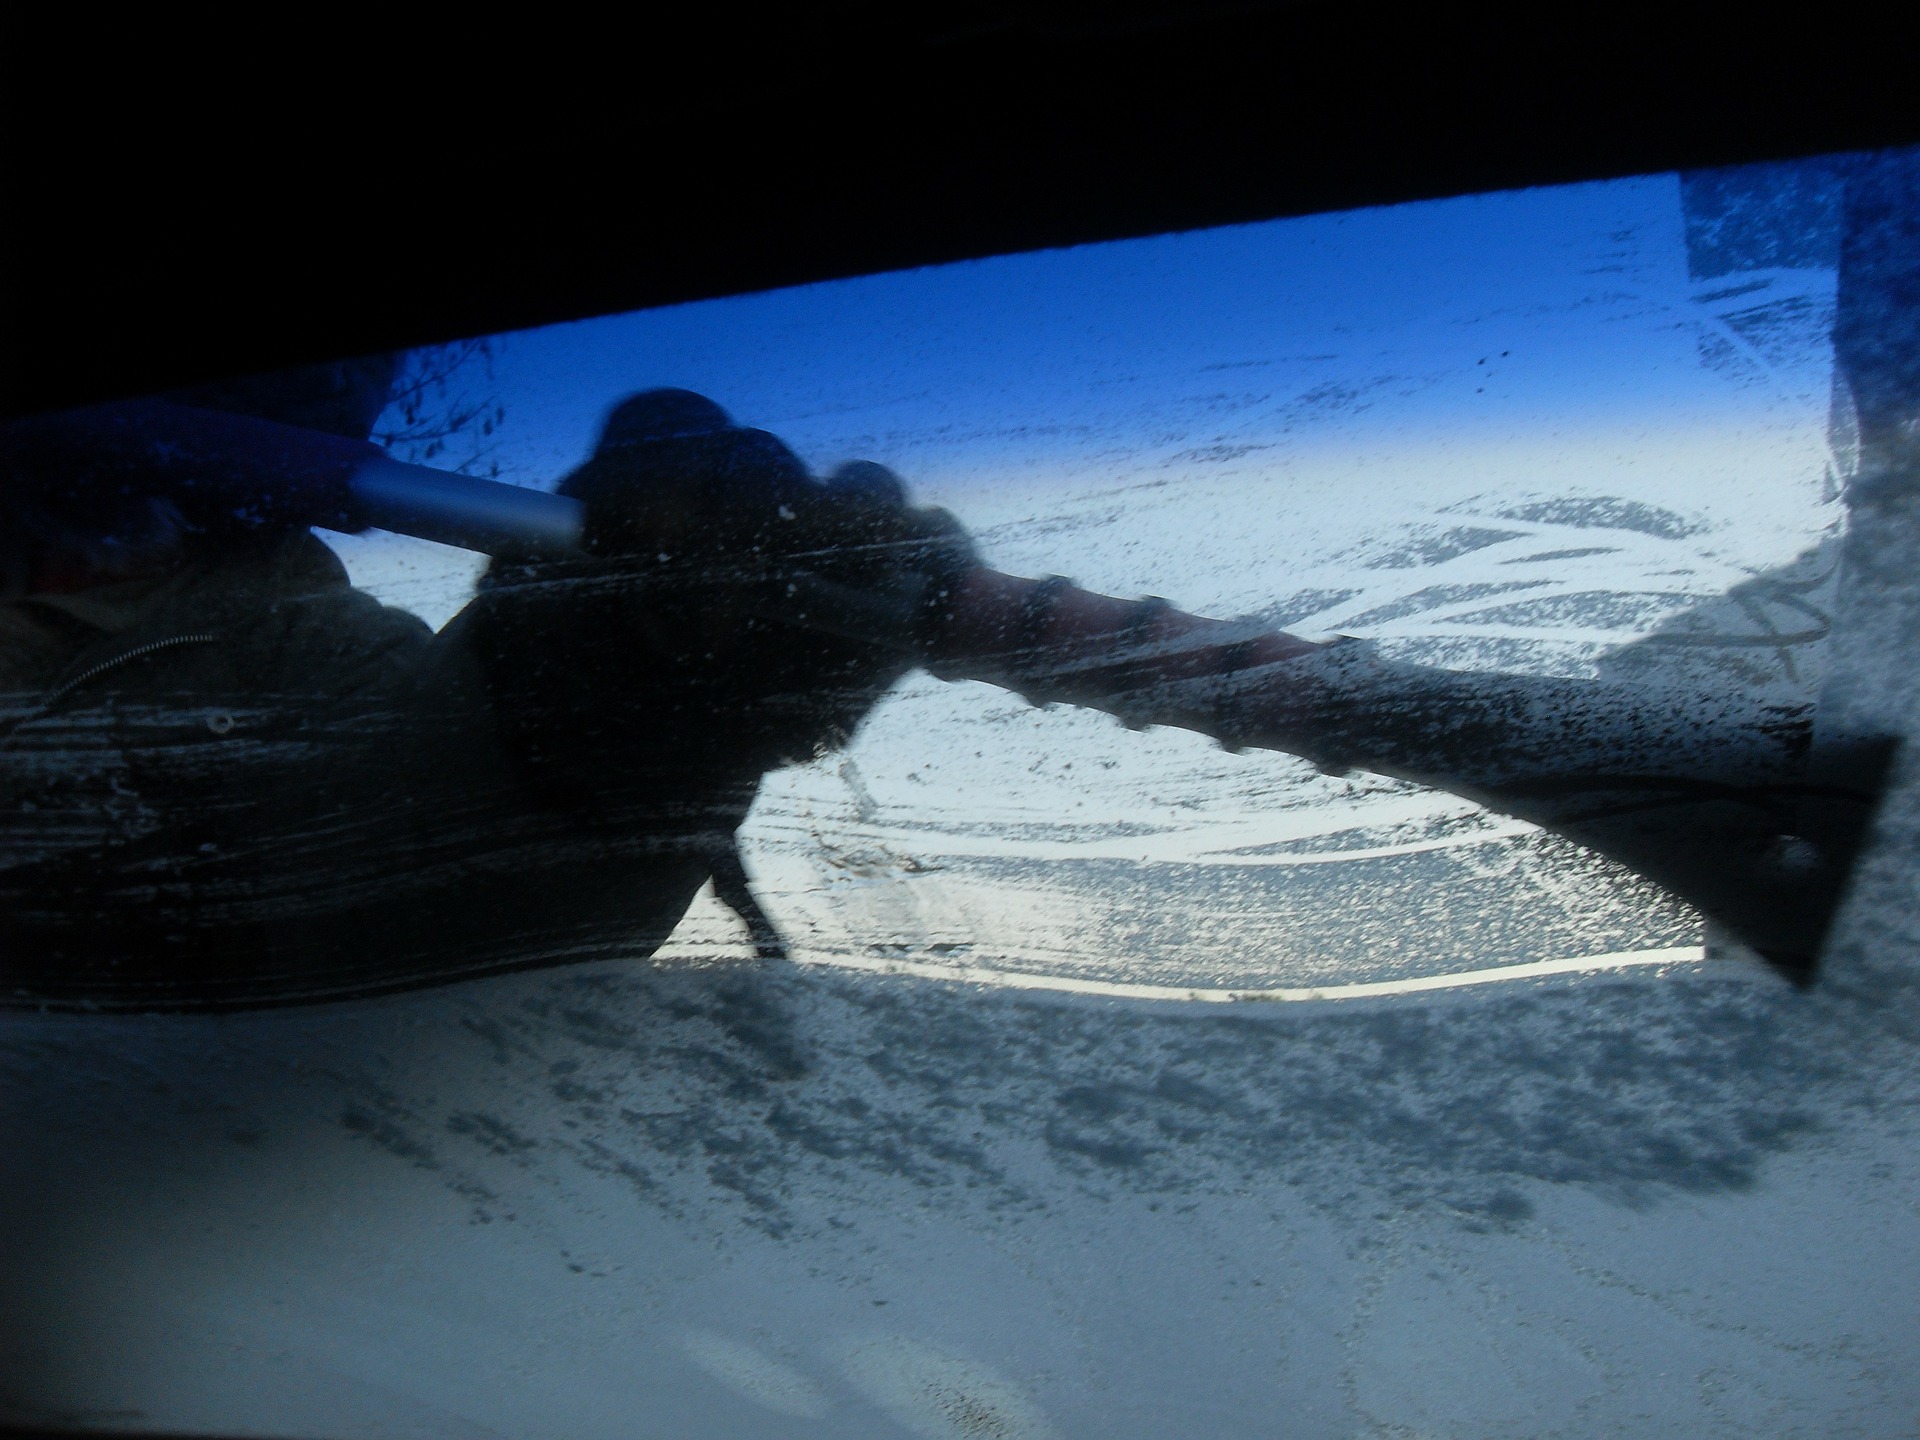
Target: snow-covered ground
<point>975,1164</point>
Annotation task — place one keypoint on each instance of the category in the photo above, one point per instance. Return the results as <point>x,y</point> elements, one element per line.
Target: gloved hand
<point>723,519</point>
<point>674,650</point>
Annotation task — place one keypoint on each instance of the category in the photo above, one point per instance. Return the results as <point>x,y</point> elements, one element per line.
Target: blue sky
<point>1032,356</point>
<point>1295,382</point>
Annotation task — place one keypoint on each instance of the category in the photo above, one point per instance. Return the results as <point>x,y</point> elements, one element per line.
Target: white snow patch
<point>755,1374</point>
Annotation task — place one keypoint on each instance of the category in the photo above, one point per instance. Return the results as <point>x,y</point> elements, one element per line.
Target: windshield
<point>895,1056</point>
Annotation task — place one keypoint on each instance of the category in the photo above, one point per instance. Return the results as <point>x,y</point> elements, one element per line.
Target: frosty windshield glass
<point>602,877</point>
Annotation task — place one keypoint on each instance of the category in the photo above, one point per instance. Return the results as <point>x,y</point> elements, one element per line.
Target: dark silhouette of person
<point>227,778</point>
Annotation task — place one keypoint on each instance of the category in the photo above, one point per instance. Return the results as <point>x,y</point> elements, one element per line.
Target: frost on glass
<point>1115,1083</point>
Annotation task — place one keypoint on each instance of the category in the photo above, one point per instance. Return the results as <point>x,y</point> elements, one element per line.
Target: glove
<point>675,649</point>
<point>724,518</point>
<point>717,522</point>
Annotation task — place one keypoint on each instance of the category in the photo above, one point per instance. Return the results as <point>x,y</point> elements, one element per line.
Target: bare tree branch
<point>444,410</point>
